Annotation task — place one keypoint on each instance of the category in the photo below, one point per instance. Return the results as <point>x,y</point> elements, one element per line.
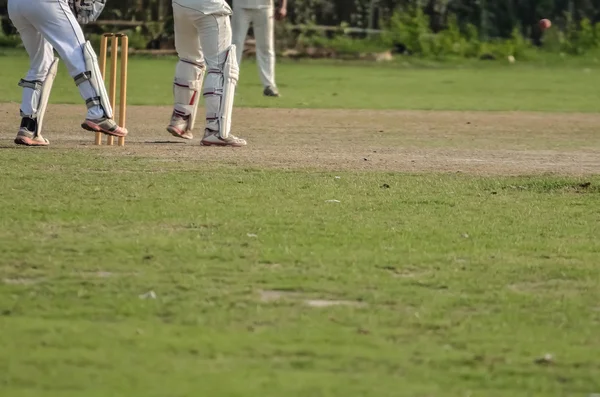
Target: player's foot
<point>105,125</point>
<point>271,91</point>
<point>212,138</point>
<point>28,138</point>
<point>178,127</point>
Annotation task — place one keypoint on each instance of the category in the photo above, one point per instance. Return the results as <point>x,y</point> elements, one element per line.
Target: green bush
<point>452,40</point>
<point>411,29</point>
<point>137,40</point>
<point>344,45</point>
<point>581,37</point>
<point>347,45</point>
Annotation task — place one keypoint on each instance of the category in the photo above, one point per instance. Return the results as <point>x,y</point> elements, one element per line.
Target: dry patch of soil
<point>495,143</point>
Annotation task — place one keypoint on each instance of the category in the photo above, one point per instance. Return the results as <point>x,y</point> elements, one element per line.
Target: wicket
<point>113,78</point>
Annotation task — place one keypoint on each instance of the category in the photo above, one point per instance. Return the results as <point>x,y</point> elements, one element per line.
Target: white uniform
<point>202,31</point>
<point>261,14</point>
<point>203,43</point>
<point>45,25</point>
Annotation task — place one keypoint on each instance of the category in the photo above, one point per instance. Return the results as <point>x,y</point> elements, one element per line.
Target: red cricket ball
<point>545,24</point>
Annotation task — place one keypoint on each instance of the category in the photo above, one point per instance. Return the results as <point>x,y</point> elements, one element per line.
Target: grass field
<point>558,87</point>
<point>394,250</point>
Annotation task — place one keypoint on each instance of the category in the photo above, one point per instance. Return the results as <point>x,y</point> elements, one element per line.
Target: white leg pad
<point>32,98</point>
<point>186,91</point>
<point>42,95</point>
<point>219,93</point>
<point>95,78</point>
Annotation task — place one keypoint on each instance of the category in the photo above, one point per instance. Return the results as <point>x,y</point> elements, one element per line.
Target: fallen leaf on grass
<point>329,303</point>
<point>148,295</point>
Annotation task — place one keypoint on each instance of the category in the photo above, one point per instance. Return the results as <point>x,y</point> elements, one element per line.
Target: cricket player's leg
<point>57,24</point>
<point>36,83</point>
<point>264,31</point>
<point>221,80</point>
<point>189,73</point>
<point>240,21</point>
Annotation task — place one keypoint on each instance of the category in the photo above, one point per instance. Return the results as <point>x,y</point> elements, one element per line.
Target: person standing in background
<point>261,13</point>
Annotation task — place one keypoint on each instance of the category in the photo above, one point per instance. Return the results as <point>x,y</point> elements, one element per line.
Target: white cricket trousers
<point>263,25</point>
<point>201,38</point>
<point>45,25</point>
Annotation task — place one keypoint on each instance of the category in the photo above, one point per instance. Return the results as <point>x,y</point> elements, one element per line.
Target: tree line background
<point>410,23</point>
<point>494,18</point>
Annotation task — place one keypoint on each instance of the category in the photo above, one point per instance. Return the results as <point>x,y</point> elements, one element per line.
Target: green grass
<point>559,86</point>
<point>465,281</point>
<point>456,284</point>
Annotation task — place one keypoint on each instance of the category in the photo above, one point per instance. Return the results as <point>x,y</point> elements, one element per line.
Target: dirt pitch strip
<point>492,143</point>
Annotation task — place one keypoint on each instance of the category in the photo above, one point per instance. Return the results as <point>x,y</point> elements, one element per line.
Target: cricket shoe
<point>271,91</point>
<point>105,125</point>
<point>178,126</point>
<point>212,138</point>
<point>28,138</point>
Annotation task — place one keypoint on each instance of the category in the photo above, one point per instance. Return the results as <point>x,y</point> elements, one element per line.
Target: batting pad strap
<point>94,101</point>
<point>33,84</point>
<point>82,78</point>
<point>196,64</point>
